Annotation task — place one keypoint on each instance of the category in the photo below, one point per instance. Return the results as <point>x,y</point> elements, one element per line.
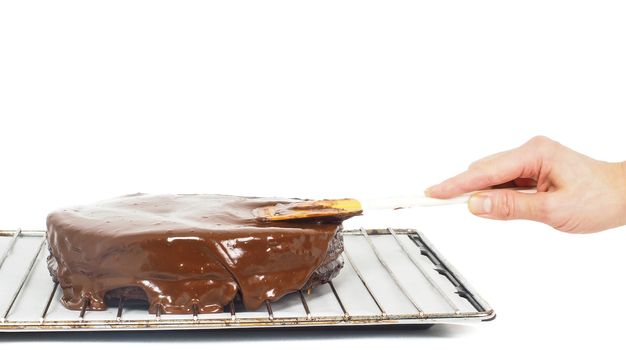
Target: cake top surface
<point>176,214</point>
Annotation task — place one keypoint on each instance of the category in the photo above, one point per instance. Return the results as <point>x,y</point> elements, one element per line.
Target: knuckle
<point>506,208</point>
<point>539,141</point>
<point>474,165</point>
<point>484,162</point>
<point>479,165</point>
<point>483,174</point>
<point>541,147</point>
<point>491,179</point>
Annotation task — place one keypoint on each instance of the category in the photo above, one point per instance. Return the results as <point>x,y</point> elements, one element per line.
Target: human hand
<point>575,193</point>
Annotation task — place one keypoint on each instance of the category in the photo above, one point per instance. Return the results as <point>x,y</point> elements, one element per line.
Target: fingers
<point>509,204</point>
<point>467,181</point>
<point>492,171</point>
<point>520,163</point>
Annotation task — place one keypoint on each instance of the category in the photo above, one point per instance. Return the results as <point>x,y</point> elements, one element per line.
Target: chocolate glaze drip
<point>187,249</point>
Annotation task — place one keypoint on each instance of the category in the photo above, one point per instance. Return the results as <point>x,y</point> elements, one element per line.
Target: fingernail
<point>429,191</point>
<point>480,204</point>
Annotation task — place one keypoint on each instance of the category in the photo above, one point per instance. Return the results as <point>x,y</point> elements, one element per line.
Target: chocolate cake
<point>186,251</point>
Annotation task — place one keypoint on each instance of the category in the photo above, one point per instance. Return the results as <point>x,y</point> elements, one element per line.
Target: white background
<point>326,99</point>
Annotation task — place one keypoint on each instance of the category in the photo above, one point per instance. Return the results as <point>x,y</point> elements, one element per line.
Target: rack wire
<point>391,276</point>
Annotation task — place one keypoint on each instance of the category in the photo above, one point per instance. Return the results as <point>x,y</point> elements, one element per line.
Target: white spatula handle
<point>420,201</point>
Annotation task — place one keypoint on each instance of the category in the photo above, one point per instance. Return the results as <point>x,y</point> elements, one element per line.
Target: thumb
<point>507,205</point>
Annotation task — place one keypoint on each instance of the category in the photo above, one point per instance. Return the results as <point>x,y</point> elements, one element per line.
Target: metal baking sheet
<point>390,276</point>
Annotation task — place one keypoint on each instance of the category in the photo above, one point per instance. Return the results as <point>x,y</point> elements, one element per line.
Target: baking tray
<point>390,276</point>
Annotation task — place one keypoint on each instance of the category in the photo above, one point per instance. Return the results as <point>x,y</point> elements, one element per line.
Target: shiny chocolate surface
<point>183,250</point>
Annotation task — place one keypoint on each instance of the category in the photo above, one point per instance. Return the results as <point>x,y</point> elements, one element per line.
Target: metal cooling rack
<point>391,276</point>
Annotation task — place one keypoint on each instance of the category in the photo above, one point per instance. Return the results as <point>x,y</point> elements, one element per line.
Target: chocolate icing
<point>186,249</point>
